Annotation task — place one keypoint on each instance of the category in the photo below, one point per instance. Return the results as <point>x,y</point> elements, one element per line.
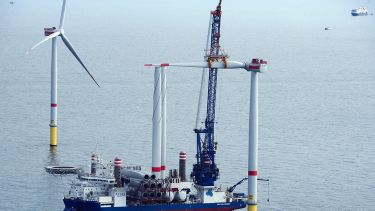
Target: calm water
<point>316,103</point>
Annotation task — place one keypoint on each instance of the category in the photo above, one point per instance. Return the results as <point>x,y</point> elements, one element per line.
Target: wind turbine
<point>53,33</point>
<point>255,66</point>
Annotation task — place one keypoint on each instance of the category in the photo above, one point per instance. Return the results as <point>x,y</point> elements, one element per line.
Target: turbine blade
<point>190,64</point>
<point>216,64</point>
<point>44,40</point>
<point>70,47</point>
<point>62,17</point>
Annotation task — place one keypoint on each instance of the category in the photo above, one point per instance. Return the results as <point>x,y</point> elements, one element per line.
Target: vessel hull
<point>74,204</point>
<point>359,14</point>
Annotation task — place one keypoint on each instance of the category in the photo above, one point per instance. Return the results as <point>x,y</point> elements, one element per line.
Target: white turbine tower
<point>53,33</point>
<point>159,124</point>
<point>255,66</point>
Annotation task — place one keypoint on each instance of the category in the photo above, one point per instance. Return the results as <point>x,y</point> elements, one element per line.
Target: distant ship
<point>361,11</point>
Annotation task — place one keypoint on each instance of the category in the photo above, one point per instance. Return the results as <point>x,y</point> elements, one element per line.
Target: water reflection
<point>53,157</point>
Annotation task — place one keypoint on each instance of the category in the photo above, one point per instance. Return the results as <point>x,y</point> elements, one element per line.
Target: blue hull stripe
<point>79,205</point>
<point>359,14</point>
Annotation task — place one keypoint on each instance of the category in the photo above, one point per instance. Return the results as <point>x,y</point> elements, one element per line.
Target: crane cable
<point>203,80</point>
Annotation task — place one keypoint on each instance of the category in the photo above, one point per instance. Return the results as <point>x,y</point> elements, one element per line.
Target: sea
<point>316,102</point>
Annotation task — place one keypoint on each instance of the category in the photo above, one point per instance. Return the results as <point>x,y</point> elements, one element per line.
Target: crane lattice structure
<point>205,171</point>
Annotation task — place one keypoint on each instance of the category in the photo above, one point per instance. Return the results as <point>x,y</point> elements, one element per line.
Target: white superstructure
<point>360,11</point>
<point>99,186</point>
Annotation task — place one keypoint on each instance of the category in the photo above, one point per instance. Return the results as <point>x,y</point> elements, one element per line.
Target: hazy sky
<point>118,12</point>
<point>171,22</point>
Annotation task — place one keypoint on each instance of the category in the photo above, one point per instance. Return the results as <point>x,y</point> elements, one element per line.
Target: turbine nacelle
<point>49,31</point>
<point>257,65</point>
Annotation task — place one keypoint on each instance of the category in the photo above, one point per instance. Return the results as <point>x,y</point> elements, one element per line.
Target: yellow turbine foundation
<point>252,207</point>
<point>53,136</point>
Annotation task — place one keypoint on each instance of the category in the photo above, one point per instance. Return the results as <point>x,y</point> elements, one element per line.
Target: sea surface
<point>316,103</point>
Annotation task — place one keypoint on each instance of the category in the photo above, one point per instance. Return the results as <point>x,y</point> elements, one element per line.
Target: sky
<point>118,12</point>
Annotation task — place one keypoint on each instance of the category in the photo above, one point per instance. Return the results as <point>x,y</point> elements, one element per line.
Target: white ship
<point>361,11</point>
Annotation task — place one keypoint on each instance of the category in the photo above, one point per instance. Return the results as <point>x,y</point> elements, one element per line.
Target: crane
<point>205,171</point>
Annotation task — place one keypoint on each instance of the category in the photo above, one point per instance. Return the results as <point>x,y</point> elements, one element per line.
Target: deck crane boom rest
<point>205,171</point>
